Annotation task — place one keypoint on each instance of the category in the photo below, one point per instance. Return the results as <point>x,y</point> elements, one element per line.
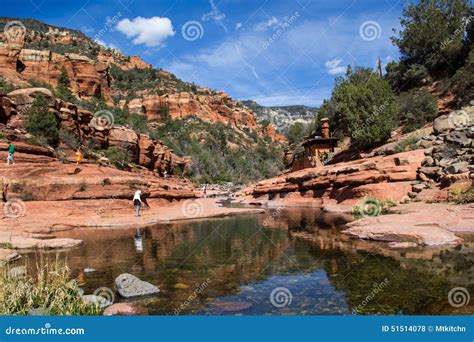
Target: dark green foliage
<point>463,82</point>
<point>134,80</point>
<point>63,90</point>
<point>402,76</point>
<point>42,123</point>
<point>118,157</point>
<point>296,133</point>
<point>252,159</point>
<point>434,34</point>
<point>364,106</point>
<point>5,87</point>
<point>416,108</point>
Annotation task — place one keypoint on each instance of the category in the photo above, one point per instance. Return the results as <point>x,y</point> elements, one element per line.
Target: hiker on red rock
<point>137,202</point>
<point>78,157</point>
<point>11,151</point>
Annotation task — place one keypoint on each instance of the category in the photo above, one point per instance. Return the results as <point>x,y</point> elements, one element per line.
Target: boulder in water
<point>130,286</point>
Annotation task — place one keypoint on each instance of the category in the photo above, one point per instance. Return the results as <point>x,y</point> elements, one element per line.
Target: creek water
<point>283,262</point>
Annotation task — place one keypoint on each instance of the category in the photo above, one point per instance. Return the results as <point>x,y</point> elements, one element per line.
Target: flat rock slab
<point>423,224</point>
<point>130,286</point>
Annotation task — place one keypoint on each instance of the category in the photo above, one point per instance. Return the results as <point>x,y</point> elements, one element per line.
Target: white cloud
<point>262,26</point>
<point>104,44</point>
<point>148,31</point>
<point>334,68</point>
<point>303,56</point>
<point>215,14</point>
<point>238,26</point>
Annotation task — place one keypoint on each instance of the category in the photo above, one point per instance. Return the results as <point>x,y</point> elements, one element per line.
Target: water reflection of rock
<point>227,253</point>
<point>426,274</point>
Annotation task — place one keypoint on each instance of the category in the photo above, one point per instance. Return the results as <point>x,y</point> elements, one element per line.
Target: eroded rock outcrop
<point>383,177</point>
<point>80,124</point>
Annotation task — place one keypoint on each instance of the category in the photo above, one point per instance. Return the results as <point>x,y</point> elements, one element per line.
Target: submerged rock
<point>125,309</point>
<point>231,306</point>
<point>130,286</point>
<point>98,300</point>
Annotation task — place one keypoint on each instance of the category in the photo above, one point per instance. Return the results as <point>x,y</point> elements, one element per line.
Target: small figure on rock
<point>11,151</point>
<point>78,157</point>
<point>137,202</point>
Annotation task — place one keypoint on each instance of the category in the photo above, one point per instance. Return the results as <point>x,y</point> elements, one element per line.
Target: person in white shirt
<point>137,202</point>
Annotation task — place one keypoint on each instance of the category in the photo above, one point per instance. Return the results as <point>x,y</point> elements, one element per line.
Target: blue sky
<point>275,52</point>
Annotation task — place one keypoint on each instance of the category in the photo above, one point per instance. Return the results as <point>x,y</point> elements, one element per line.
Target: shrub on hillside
<point>41,122</point>
<point>463,82</point>
<point>118,157</point>
<point>416,108</point>
<point>366,107</point>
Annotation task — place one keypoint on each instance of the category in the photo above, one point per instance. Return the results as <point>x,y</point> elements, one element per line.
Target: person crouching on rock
<point>11,151</point>
<point>137,202</point>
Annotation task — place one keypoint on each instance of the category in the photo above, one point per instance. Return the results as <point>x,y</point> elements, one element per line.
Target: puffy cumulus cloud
<point>148,31</point>
<point>334,67</point>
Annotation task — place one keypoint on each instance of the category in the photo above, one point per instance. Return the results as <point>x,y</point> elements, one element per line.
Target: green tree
<point>63,89</point>
<point>416,108</point>
<point>296,133</point>
<point>42,123</point>
<point>366,107</point>
<point>434,35</point>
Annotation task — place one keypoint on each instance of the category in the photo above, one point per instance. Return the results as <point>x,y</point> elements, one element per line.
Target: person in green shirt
<point>11,151</point>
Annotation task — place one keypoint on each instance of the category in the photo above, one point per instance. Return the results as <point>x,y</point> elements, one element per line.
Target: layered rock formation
<point>342,184</point>
<point>84,129</point>
<point>88,78</point>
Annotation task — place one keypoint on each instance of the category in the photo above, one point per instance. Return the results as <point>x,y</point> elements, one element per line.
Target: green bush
<point>119,157</point>
<point>42,123</point>
<point>5,87</point>
<point>416,108</point>
<point>366,107</point>
<point>63,90</point>
<point>463,82</point>
<point>461,195</point>
<point>408,144</point>
<point>297,132</point>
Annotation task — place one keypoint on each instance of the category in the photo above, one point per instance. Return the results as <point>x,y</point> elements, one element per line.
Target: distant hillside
<point>228,144</point>
<point>282,117</point>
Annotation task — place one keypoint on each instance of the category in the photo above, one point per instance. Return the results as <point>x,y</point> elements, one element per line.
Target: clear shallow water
<point>279,263</point>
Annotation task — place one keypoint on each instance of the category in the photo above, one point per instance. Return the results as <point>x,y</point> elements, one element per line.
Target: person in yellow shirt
<point>78,157</point>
